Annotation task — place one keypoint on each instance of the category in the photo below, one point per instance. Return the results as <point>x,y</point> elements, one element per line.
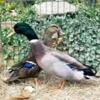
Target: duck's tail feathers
<point>90,73</point>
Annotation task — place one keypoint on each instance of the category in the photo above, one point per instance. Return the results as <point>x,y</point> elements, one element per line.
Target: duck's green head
<point>25,29</point>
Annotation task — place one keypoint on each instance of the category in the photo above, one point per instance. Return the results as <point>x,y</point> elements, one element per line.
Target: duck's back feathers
<point>68,59</point>
<point>74,64</point>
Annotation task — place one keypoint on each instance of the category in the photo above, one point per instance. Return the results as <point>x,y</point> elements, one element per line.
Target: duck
<point>27,67</point>
<point>60,64</point>
<point>53,35</point>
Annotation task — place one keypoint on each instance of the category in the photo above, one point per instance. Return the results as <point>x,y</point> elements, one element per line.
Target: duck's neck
<point>31,35</point>
<point>38,50</point>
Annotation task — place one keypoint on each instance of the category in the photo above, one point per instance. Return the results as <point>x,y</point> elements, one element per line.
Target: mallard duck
<point>60,64</point>
<point>19,71</point>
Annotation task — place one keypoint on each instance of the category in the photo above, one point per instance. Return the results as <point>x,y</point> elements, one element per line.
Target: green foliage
<point>16,47</point>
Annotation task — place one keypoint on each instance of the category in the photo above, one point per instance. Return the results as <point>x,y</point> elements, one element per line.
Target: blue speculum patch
<point>27,65</point>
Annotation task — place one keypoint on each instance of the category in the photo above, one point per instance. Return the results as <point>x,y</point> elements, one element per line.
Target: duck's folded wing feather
<point>68,59</point>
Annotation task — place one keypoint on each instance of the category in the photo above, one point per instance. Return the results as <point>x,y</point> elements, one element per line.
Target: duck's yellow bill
<point>10,34</point>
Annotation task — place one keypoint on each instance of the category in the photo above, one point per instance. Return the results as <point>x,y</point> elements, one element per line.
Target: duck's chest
<point>47,63</point>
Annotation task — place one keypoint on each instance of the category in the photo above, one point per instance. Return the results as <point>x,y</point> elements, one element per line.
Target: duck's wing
<point>68,59</point>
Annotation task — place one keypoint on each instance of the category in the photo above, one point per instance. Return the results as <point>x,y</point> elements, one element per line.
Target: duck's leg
<point>62,84</point>
<point>37,81</point>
